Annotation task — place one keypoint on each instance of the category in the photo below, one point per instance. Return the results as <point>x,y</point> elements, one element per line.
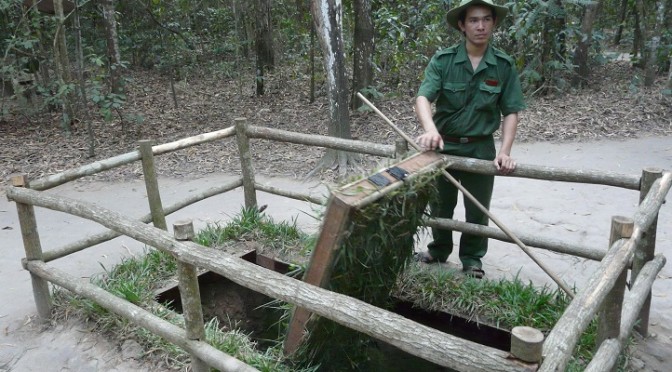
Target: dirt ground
<point>608,127</point>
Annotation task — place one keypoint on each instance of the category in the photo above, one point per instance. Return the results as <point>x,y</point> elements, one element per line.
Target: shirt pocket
<point>456,94</point>
<point>488,96</point>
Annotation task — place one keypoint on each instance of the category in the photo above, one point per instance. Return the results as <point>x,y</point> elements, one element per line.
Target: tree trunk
<point>581,54</point>
<point>554,41</point>
<point>263,41</point>
<point>327,15</point>
<point>63,65</point>
<point>241,11</point>
<point>652,46</point>
<point>669,76</point>
<point>82,83</point>
<point>113,52</point>
<point>623,11</point>
<point>362,76</point>
<point>637,37</point>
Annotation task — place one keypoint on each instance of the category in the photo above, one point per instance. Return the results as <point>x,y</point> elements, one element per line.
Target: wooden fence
<point>632,247</point>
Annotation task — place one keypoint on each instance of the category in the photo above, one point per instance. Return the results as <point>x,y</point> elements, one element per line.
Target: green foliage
<point>375,248</point>
<point>501,303</point>
<point>407,35</point>
<point>253,225</point>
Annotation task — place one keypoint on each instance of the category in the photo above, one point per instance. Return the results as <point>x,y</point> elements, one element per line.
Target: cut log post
<point>190,295</point>
<point>152,185</point>
<point>526,344</point>
<point>184,230</point>
<point>246,163</point>
<point>400,148</point>
<point>647,249</point>
<point>609,320</point>
<point>33,247</point>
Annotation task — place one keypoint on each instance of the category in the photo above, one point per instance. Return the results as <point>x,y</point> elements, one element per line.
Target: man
<point>473,85</point>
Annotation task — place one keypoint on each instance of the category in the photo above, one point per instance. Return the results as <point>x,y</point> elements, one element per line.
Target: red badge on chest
<point>492,83</point>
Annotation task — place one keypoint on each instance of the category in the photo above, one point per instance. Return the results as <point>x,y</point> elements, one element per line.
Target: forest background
<point>84,80</point>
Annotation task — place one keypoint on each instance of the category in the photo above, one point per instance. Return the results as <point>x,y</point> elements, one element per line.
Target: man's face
<point>478,24</point>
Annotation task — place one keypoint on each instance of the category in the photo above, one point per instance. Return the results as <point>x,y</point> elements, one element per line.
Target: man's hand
<point>430,141</point>
<point>504,164</point>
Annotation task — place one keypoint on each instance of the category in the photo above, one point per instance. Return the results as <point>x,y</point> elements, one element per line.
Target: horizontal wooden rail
<point>92,240</point>
<point>123,159</point>
<point>139,316</point>
<point>607,355</point>
<point>290,194</point>
<point>547,173</point>
<point>550,244</point>
<point>562,339</point>
<point>416,339</point>
<point>363,147</point>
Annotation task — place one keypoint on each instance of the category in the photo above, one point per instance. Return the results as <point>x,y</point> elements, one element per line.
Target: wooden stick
<point>190,294</point>
<point>480,206</point>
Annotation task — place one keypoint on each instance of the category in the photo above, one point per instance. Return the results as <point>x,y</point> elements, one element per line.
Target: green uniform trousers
<point>472,248</point>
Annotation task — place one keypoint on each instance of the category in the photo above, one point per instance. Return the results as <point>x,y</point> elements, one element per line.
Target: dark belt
<point>464,139</point>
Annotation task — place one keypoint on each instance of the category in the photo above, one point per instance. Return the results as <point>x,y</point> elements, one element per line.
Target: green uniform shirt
<point>471,103</point>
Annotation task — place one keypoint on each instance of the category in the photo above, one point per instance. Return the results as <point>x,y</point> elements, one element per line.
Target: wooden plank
<point>321,263</point>
<point>363,192</point>
<point>341,204</point>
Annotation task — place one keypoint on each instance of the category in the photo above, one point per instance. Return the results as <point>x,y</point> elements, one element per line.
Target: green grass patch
<point>500,303</point>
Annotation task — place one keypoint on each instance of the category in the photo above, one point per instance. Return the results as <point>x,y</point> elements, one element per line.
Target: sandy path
<point>574,212</point>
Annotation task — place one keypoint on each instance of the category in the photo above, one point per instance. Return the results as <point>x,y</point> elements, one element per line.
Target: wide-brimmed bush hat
<point>453,14</point>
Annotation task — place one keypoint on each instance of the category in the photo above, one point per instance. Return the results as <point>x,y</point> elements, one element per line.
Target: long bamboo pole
<point>480,206</point>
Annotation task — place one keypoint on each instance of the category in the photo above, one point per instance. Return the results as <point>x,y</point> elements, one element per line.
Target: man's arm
<point>504,162</point>
<point>431,139</point>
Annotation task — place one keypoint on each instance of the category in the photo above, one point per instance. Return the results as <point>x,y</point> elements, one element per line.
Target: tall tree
<point>652,38</point>
<point>263,41</point>
<point>623,11</point>
<point>581,52</point>
<point>327,16</point>
<point>113,51</point>
<point>63,66</point>
<point>362,72</point>
<point>554,42</point>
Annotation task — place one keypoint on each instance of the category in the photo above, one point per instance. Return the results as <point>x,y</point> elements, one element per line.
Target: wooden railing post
<point>33,247</point>
<point>609,321</point>
<point>246,163</point>
<point>400,148</point>
<point>647,249</point>
<point>152,185</point>
<point>190,295</point>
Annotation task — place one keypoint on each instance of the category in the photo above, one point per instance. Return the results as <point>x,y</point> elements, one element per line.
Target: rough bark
<point>63,64</point>
<point>581,55</point>
<point>327,15</point>
<point>653,44</point>
<point>554,42</point>
<point>362,75</point>
<point>263,42</point>
<point>623,11</point>
<point>113,51</point>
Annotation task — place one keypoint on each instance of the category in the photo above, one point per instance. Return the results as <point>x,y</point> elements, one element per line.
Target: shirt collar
<point>488,57</point>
